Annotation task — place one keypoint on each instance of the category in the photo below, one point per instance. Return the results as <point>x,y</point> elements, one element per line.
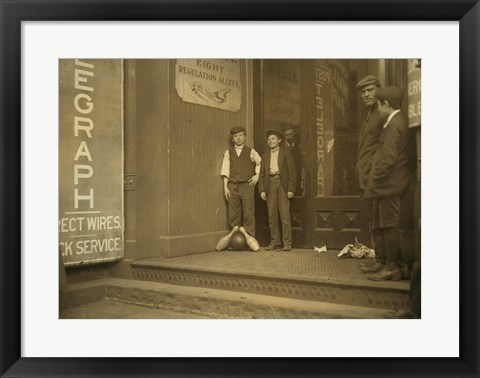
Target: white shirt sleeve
<point>255,157</point>
<point>226,165</point>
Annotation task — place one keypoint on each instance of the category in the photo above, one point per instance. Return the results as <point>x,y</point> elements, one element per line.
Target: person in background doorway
<point>368,138</point>
<point>277,183</point>
<point>292,143</point>
<point>391,174</point>
<point>240,172</point>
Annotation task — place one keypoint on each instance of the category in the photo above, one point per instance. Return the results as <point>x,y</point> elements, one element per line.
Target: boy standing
<point>278,179</point>
<point>240,169</point>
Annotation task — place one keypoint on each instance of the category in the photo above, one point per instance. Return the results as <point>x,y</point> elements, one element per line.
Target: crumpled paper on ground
<point>357,251</point>
<point>321,249</point>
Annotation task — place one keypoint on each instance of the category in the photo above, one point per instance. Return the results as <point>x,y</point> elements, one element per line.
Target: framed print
<point>139,239</point>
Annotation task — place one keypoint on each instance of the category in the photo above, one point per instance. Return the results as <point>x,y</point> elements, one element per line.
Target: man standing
<point>368,138</point>
<point>278,179</point>
<point>240,169</point>
<point>392,170</point>
<point>292,143</point>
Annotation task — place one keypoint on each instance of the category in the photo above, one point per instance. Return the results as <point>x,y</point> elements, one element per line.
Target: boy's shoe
<point>271,247</point>
<point>287,248</point>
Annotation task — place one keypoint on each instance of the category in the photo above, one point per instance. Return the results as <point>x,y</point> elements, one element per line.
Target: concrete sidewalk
<point>266,284</point>
<point>304,264</point>
<point>114,298</point>
<point>111,309</point>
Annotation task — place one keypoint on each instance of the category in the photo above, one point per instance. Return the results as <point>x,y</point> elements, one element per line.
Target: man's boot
<point>374,268</point>
<point>368,262</point>
<point>389,272</point>
<point>380,254</point>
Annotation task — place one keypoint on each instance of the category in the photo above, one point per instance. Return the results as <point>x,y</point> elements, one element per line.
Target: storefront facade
<point>151,147</point>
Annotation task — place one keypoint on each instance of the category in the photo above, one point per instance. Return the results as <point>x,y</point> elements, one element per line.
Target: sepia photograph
<point>239,188</point>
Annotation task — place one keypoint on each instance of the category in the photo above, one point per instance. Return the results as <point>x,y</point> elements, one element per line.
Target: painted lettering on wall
<point>83,126</point>
<point>324,129</point>
<point>414,93</point>
<point>90,225</point>
<point>79,225</point>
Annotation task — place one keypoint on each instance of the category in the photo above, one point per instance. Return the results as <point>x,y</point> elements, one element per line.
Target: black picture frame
<point>12,364</point>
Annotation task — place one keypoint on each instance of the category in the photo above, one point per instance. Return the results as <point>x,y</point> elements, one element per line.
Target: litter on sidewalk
<point>357,251</point>
<point>320,249</point>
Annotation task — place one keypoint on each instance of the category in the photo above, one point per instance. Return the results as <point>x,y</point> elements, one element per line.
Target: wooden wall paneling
<point>130,159</point>
<point>152,174</point>
<point>198,137</point>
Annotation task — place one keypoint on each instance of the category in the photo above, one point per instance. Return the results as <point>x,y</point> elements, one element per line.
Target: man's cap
<point>274,132</point>
<point>394,95</point>
<point>237,129</point>
<point>367,80</point>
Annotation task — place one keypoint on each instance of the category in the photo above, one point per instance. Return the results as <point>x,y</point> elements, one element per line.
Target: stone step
<point>208,303</point>
<point>352,288</point>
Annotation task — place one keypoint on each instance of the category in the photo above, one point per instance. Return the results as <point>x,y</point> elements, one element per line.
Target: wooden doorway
<point>318,99</point>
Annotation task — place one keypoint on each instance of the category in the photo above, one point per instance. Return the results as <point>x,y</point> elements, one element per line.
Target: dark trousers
<point>385,222</point>
<point>278,202</point>
<point>414,303</point>
<point>241,205</point>
<point>393,228</point>
<point>380,248</point>
<point>365,219</point>
<point>406,227</point>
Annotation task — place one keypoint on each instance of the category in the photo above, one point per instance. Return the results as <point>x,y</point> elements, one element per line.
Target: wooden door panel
<point>298,219</point>
<point>335,221</point>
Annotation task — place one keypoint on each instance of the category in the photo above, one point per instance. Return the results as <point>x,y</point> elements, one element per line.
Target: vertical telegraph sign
<point>325,129</point>
<point>91,220</point>
<point>414,93</point>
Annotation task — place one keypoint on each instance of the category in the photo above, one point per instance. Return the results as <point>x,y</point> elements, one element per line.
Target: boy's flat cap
<point>237,129</point>
<point>367,80</point>
<point>274,132</point>
<point>394,95</point>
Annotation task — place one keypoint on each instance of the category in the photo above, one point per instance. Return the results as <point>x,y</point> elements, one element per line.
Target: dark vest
<point>241,167</point>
